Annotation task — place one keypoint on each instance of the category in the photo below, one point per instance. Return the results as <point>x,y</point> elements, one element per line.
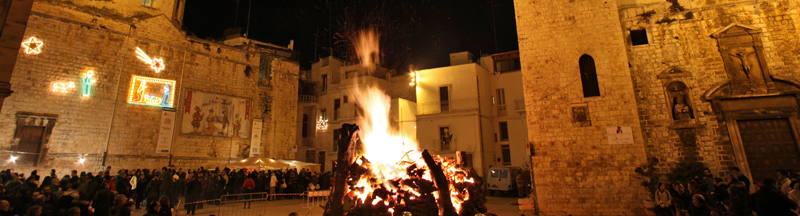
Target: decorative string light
<point>322,124</point>
<point>413,79</point>
<point>88,80</point>
<point>33,46</point>
<point>141,93</point>
<point>156,64</point>
<point>61,87</point>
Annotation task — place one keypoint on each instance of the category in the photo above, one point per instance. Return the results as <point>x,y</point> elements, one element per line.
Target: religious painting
<point>580,115</point>
<point>446,137</point>
<point>216,115</point>
<point>152,91</point>
<point>679,100</point>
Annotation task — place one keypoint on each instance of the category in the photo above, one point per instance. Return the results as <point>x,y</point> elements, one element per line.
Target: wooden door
<point>769,145</point>
<point>30,143</point>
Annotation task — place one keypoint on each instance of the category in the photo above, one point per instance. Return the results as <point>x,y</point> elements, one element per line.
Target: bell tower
<point>582,114</point>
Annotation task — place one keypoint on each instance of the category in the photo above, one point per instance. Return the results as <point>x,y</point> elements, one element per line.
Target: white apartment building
<point>477,108</point>
<point>326,96</point>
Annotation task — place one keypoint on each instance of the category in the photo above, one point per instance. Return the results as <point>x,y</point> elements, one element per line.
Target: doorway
<point>768,145</point>
<point>30,144</point>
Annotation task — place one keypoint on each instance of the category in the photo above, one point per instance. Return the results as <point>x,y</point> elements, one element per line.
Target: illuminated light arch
<point>33,46</point>
<point>157,64</point>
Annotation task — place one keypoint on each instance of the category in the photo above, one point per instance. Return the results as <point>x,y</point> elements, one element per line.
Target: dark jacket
<point>770,201</point>
<point>102,202</point>
<point>193,190</point>
<point>739,203</point>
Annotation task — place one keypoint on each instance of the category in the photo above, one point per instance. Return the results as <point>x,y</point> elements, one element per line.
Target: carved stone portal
<point>742,53</point>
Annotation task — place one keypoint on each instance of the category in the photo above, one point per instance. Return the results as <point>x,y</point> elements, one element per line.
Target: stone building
<point>707,81</point>
<point>118,83</point>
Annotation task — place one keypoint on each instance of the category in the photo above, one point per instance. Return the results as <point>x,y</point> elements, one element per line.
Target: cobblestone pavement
<point>504,206</point>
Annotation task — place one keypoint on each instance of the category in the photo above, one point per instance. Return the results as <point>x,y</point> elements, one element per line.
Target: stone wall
<point>683,50</point>
<point>76,41</point>
<point>576,171</point>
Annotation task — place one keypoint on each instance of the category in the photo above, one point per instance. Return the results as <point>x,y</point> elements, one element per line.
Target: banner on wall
<point>216,115</point>
<point>255,140</point>
<point>165,131</point>
<point>619,135</point>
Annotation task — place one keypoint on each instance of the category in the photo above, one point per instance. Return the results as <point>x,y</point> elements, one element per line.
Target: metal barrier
<point>313,199</point>
<point>255,204</point>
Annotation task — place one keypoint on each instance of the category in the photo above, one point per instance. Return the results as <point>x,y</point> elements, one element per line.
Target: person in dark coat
<point>141,188</point>
<point>738,201</point>
<point>768,200</point>
<point>153,209</point>
<point>166,210</point>
<point>193,191</point>
<point>174,191</point>
<point>102,201</point>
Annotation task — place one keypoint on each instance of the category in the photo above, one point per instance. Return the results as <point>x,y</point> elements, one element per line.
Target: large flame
<point>390,156</point>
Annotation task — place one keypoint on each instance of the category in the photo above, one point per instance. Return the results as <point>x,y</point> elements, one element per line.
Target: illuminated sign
<point>33,46</point>
<point>152,91</point>
<point>88,80</point>
<point>62,87</point>
<point>156,64</point>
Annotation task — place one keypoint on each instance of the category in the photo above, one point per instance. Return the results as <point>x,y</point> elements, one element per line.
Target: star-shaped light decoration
<point>156,64</point>
<point>33,46</point>
<point>322,124</point>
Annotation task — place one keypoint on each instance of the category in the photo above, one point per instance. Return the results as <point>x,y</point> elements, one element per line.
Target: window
<point>322,114</point>
<point>639,37</point>
<point>310,155</point>
<point>344,98</point>
<point>446,137</point>
<point>507,65</point>
<point>324,82</point>
<point>589,77</point>
<point>336,106</point>
<point>506,155</point>
<point>503,131</point>
<point>148,3</point>
<point>495,173</point>
<point>444,98</point>
<point>305,125</point>
<point>501,97</point>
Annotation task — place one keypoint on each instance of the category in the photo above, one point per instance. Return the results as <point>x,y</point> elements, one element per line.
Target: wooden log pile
<point>349,169</point>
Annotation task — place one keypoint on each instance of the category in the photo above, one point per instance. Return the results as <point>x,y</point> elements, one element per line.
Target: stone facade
<point>705,70</point>
<point>104,128</point>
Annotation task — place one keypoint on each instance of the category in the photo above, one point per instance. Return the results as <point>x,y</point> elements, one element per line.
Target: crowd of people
<point>157,190</point>
<point>730,195</point>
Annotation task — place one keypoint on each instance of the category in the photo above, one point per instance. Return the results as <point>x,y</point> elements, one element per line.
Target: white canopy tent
<point>273,164</point>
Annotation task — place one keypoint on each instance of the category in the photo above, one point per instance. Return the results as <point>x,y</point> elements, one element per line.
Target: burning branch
<point>443,186</point>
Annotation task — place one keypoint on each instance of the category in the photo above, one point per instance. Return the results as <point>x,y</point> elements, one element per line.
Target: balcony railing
<point>447,106</point>
<point>519,105</point>
<point>501,110</point>
<point>307,99</point>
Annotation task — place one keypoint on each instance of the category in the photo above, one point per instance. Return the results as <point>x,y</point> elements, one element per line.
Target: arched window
<point>305,125</point>
<point>589,76</point>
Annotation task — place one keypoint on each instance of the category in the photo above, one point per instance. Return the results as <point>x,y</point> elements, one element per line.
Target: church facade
<point>609,84</point>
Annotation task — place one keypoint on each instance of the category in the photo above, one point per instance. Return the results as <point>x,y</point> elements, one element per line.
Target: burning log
<point>345,157</point>
<point>443,186</point>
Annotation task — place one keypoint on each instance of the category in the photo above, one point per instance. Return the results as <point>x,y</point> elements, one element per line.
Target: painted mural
<point>216,115</point>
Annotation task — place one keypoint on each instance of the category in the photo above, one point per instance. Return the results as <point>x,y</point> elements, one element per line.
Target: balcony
<point>437,107</point>
<point>307,99</point>
<point>519,105</point>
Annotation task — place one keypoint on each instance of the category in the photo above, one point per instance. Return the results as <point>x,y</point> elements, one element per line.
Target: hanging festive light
<point>322,124</point>
<point>33,46</point>
<point>62,87</point>
<point>12,159</point>
<point>156,64</point>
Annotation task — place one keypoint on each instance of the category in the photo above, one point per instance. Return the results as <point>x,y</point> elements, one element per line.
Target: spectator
<point>153,209</point>
<point>34,210</point>
<point>783,181</point>
<point>708,181</point>
<point>769,200</point>
<point>164,204</point>
<point>103,201</point>
<point>664,201</point>
<point>273,183</point>
<point>741,177</point>
<point>127,209</point>
<point>74,211</point>
<point>248,187</point>
<point>739,198</point>
<point>193,187</point>
<point>701,208</point>
<point>794,195</point>
<point>5,208</point>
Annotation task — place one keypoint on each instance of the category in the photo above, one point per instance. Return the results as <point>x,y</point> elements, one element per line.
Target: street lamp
<point>413,79</point>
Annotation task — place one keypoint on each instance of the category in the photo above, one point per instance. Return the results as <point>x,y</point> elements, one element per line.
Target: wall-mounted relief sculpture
<point>680,104</point>
<point>580,115</point>
<point>742,53</point>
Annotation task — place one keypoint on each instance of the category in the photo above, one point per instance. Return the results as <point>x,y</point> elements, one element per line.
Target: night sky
<point>419,32</point>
